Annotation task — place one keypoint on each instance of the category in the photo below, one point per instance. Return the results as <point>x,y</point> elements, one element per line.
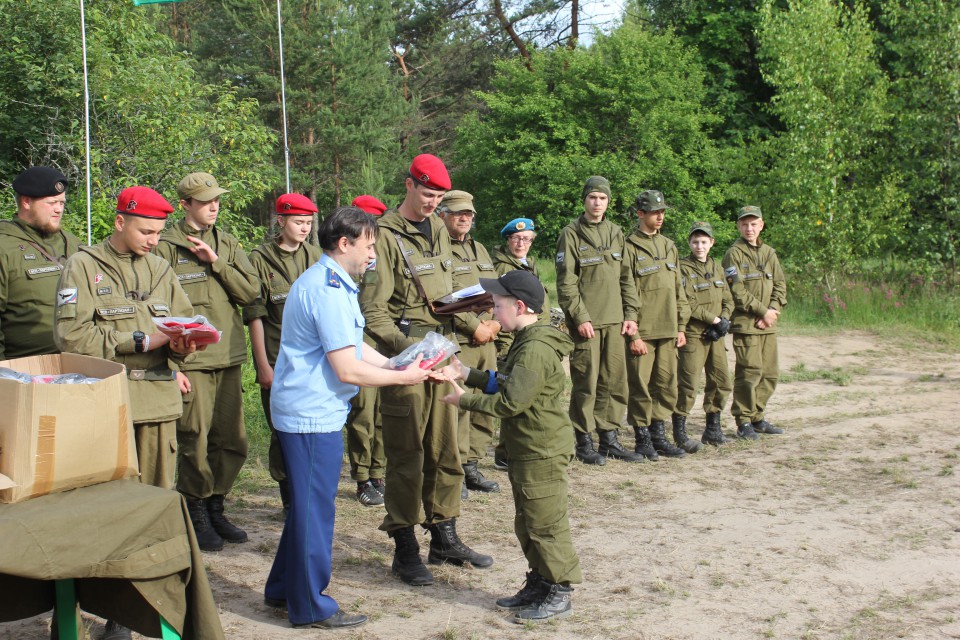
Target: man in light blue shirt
<point>322,362</point>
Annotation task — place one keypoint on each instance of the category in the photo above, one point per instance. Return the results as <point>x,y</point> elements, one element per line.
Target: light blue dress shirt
<point>321,315</point>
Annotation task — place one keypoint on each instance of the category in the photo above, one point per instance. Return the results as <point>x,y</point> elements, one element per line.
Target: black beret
<point>40,182</point>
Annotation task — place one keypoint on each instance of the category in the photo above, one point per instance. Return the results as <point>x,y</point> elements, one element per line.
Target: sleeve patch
<point>730,271</point>
<point>560,256</point>
<point>66,296</point>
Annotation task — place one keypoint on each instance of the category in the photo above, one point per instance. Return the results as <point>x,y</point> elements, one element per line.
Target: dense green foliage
<point>841,118</point>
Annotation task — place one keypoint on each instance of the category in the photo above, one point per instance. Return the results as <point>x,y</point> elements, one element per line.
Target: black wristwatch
<point>138,338</point>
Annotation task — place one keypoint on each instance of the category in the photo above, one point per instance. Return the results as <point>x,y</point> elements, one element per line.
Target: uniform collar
<point>344,277</point>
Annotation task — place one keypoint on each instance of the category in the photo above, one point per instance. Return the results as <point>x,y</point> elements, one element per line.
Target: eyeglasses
<point>518,240</point>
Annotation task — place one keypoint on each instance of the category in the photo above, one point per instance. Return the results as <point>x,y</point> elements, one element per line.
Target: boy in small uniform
<point>711,306</point>
<point>527,397</point>
<point>759,291</point>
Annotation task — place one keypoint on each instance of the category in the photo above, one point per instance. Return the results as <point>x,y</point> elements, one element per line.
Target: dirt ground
<point>847,526</point>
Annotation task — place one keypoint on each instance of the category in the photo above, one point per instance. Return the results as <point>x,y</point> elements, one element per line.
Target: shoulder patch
<point>730,271</point>
<point>66,296</point>
<point>560,256</point>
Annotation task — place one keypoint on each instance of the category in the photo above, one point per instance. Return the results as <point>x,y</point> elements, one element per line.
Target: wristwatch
<point>138,341</point>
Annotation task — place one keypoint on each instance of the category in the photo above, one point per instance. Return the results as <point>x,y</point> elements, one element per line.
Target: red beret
<point>430,172</point>
<point>294,204</point>
<point>369,204</point>
<point>143,202</point>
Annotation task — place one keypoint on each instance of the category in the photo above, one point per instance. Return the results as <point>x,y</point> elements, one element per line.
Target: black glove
<point>723,326</point>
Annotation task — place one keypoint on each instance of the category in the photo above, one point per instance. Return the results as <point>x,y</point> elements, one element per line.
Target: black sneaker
<point>763,426</point>
<point>367,494</point>
<point>746,432</point>
<point>380,485</point>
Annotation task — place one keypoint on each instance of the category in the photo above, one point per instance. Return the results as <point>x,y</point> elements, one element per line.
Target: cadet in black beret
<point>33,248</point>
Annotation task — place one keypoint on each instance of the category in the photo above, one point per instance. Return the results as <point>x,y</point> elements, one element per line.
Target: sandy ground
<point>847,526</point>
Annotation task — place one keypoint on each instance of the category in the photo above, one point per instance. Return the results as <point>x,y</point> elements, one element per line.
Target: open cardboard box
<point>55,437</point>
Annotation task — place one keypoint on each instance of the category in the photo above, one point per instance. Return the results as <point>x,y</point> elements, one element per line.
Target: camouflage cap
<point>749,211</point>
<point>651,200</point>
<point>702,227</point>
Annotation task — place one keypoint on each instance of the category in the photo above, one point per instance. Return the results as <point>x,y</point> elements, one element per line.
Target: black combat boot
<point>658,435</point>
<point>762,426</point>
<point>531,592</point>
<point>406,559</point>
<point>464,492</point>
<point>446,546</point>
<point>610,447</point>
<point>585,451</point>
<point>476,481</point>
<point>680,435</point>
<point>224,528</point>
<point>115,631</point>
<point>554,603</point>
<point>713,434</point>
<point>207,538</point>
<point>643,445</point>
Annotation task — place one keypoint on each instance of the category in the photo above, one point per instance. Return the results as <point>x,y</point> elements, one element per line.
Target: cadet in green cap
<point>33,249</point>
<point>652,361</point>
<point>476,332</point>
<point>218,279</point>
<point>599,301</point>
<point>711,306</point>
<point>414,267</point>
<point>278,262</point>
<point>759,290</point>
<point>525,394</point>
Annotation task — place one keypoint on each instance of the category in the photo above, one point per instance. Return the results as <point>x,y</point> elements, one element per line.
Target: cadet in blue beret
<point>33,249</point>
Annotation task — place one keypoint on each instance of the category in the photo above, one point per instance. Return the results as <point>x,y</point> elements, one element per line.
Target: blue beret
<point>518,224</point>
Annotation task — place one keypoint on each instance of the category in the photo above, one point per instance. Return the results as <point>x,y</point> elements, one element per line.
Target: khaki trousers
<point>701,355</point>
<point>755,376</point>
<point>652,380</point>
<point>474,429</point>
<point>597,367</point>
<point>211,438</point>
<point>365,436</point>
<point>156,452</point>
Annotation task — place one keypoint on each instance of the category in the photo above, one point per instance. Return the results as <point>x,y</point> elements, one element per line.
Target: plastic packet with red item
<point>434,348</point>
<point>196,328</point>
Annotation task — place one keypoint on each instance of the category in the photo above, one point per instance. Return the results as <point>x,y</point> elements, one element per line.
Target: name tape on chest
<point>37,271</point>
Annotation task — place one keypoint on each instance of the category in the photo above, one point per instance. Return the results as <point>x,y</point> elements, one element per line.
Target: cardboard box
<point>55,437</point>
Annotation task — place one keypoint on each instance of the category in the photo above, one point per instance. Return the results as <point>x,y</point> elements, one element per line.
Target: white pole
<point>86,117</point>
<point>283,98</point>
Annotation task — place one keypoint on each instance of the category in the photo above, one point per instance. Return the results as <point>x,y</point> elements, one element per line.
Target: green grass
<point>839,375</point>
<point>910,309</point>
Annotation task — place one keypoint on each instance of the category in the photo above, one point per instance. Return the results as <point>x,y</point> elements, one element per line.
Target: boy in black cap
<point>33,249</point>
<point>526,394</point>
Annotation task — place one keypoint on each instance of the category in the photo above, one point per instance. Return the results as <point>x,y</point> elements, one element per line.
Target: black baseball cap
<point>520,284</point>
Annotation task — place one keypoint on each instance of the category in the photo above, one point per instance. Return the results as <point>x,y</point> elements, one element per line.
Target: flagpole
<point>283,98</point>
<point>86,118</point>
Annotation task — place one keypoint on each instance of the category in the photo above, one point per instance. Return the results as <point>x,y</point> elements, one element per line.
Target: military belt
<point>151,375</point>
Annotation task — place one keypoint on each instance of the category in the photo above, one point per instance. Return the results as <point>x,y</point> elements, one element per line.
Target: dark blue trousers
<point>302,567</point>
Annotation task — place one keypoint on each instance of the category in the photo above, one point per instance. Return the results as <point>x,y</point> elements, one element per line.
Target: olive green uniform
<point>365,429</point>
<point>757,283</point>
<point>276,270</point>
<point>652,378</point>
<point>709,298</point>
<point>471,261</point>
<point>211,435</point>
<point>419,431</point>
<point>103,297</point>
<point>594,284</point>
<point>539,441</point>
<point>30,265</point>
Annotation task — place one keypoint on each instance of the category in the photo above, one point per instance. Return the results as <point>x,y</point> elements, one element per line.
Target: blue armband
<point>492,385</point>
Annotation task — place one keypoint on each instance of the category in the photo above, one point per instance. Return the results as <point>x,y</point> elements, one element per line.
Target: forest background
<point>840,119</point>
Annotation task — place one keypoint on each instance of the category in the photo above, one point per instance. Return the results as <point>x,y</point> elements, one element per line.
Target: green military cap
<point>454,201</point>
<point>702,227</point>
<point>749,211</point>
<point>651,200</point>
<point>199,186</point>
<point>595,183</point>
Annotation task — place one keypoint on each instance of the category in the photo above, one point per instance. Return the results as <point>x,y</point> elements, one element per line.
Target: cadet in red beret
<point>369,204</point>
<point>143,202</point>
<point>278,262</point>
<point>419,430</point>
